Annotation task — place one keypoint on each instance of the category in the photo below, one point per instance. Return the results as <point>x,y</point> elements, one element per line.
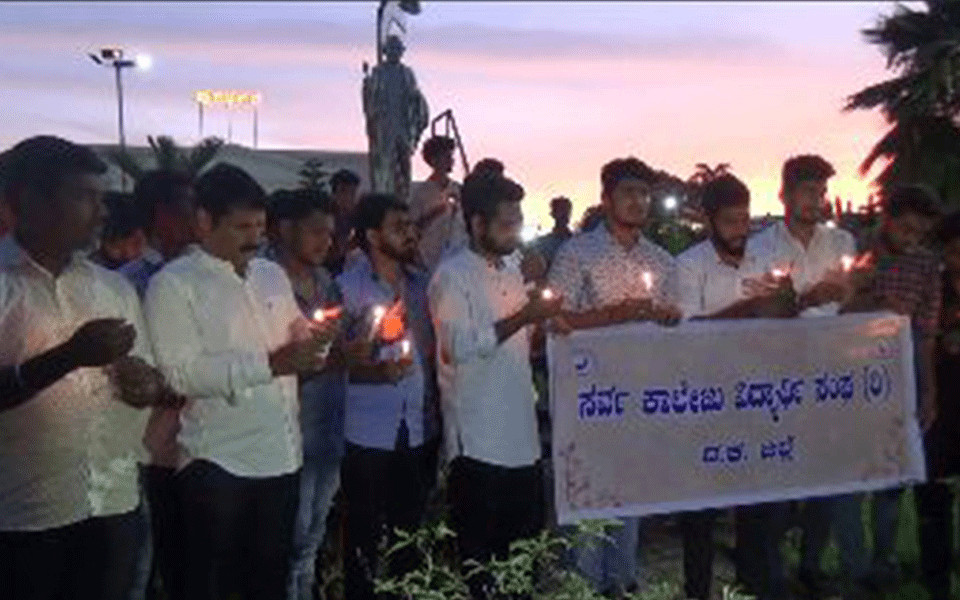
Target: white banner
<point>649,419</point>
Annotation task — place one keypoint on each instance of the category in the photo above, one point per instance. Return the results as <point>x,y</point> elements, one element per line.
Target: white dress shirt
<point>806,265</point>
<point>213,331</point>
<point>708,285</point>
<point>486,388</point>
<point>71,451</point>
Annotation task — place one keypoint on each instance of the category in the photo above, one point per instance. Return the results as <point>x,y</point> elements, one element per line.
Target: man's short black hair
<point>916,199</point>
<point>435,147</point>
<point>157,188</point>
<point>225,187</point>
<point>343,178</point>
<point>619,169</point>
<point>297,205</point>
<point>483,193</point>
<point>488,165</point>
<point>121,220</point>
<point>806,167</point>
<point>40,164</point>
<point>561,202</point>
<point>949,228</point>
<point>372,210</point>
<point>723,192</point>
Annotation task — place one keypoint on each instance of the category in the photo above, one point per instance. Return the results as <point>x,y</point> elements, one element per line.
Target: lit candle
<point>778,273</point>
<point>320,315</point>
<point>546,294</point>
<point>378,313</point>
<point>405,347</point>
<point>847,262</point>
<point>647,281</point>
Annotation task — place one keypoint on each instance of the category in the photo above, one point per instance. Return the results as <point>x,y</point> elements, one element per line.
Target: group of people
<point>193,412</point>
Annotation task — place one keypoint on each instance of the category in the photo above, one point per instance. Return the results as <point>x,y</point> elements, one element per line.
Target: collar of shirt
<point>12,255</point>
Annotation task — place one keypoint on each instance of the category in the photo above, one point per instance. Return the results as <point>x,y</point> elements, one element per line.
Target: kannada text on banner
<point>649,419</point>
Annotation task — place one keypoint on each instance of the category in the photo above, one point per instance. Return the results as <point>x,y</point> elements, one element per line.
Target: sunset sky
<point>553,89</point>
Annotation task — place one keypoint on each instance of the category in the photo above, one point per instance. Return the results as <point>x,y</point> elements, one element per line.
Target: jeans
<point>698,551</point>
<point>937,529</point>
<point>490,507</point>
<point>239,532</point>
<point>759,561</point>
<point>886,510</point>
<point>610,563</point>
<point>381,488</point>
<point>94,558</point>
<point>843,515</point>
<point>319,481</point>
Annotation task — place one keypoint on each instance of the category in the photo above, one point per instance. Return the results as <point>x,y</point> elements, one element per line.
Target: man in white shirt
<point>724,278</point>
<point>229,336</point>
<point>812,255</point>
<point>608,276</point>
<point>73,342</point>
<point>435,205</point>
<point>164,203</point>
<point>482,313</point>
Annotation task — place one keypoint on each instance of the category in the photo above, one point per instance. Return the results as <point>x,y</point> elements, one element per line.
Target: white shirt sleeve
<point>460,336</point>
<point>180,352</point>
<point>690,283</point>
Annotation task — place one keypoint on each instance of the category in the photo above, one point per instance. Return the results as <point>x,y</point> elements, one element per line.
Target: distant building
<point>273,169</point>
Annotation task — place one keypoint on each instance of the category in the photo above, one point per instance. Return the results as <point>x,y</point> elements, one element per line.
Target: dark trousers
<point>937,530</point>
<point>696,529</point>
<point>383,490</point>
<point>491,507</point>
<point>759,562</point>
<point>239,532</point>
<point>166,521</point>
<point>95,558</point>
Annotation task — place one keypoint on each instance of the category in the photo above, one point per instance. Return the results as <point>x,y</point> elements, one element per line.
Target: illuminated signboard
<point>207,97</point>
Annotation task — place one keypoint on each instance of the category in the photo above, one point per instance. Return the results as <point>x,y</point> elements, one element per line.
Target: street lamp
<point>113,57</point>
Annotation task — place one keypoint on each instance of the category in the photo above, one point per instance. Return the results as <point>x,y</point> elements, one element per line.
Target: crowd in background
<point>190,374</point>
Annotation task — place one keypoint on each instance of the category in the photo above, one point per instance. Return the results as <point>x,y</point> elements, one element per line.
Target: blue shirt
<point>374,412</point>
<point>321,396</point>
<point>139,271</point>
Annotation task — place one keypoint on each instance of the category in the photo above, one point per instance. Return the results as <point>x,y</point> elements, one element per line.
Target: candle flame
<point>405,347</point>
<point>779,273</point>
<point>547,294</point>
<point>648,280</point>
<point>847,262</point>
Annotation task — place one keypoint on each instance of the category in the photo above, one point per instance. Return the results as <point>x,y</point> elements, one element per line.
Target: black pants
<point>383,490</point>
<point>239,532</point>
<point>759,562</point>
<point>95,558</point>
<point>167,527</point>
<point>937,530</point>
<point>491,507</point>
<point>696,529</point>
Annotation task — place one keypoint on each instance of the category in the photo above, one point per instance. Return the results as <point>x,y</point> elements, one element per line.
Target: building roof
<point>273,169</point>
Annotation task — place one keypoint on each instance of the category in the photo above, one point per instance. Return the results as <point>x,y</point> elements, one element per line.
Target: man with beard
<point>811,254</point>
<point>482,315</point>
<point>608,276</point>
<point>74,351</point>
<point>389,425</point>
<point>723,278</point>
<point>302,223</point>
<point>229,335</point>
<point>903,276</point>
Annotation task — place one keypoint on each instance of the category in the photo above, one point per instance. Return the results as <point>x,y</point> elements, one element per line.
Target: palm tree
<point>168,155</point>
<point>702,175</point>
<point>920,102</point>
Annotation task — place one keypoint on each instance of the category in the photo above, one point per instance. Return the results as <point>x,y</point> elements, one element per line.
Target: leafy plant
<point>167,154</point>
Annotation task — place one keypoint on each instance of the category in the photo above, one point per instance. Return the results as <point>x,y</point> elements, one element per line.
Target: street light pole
<point>117,65</point>
<point>113,57</point>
